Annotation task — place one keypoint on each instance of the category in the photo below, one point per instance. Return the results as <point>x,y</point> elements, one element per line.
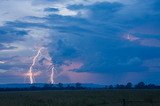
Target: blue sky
<point>93,41</point>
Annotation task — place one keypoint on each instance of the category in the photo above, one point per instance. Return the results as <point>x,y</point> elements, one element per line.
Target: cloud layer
<point>98,41</point>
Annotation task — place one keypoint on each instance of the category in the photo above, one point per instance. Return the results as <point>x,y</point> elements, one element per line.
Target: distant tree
<point>47,86</point>
<point>60,85</point>
<point>106,87</point>
<point>120,86</point>
<point>151,86</point>
<point>78,85</point>
<point>33,88</point>
<point>140,85</point>
<point>110,87</point>
<point>68,86</point>
<point>129,85</point>
<point>157,86</point>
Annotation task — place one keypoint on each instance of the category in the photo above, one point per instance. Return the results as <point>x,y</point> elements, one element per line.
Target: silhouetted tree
<point>110,87</point>
<point>129,85</point>
<point>47,86</point>
<point>31,88</point>
<point>60,85</point>
<point>78,85</point>
<point>151,86</point>
<point>140,85</point>
<point>106,87</point>
<point>70,87</point>
<point>120,86</point>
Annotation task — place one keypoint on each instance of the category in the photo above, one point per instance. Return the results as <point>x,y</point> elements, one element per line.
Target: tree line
<point>79,86</point>
<point>129,85</point>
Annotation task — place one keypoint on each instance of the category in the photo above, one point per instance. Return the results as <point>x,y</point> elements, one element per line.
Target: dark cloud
<point>63,51</point>
<point>35,2</point>
<point>10,34</point>
<point>10,77</point>
<point>100,11</point>
<point>12,63</point>
<point>51,10</point>
<point>3,47</point>
<point>21,24</point>
<point>97,40</point>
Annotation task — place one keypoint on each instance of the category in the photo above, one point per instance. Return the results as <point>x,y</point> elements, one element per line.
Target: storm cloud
<point>114,40</point>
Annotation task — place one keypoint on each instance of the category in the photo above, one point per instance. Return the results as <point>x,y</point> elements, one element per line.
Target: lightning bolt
<point>129,37</point>
<point>30,72</point>
<point>52,75</point>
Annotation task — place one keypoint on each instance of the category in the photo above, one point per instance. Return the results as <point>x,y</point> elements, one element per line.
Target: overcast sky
<point>87,41</point>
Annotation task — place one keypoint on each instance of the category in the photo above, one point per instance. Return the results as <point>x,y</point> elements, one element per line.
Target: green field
<point>81,98</point>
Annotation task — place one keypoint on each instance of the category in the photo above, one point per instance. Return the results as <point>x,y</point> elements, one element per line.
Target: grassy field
<point>81,98</point>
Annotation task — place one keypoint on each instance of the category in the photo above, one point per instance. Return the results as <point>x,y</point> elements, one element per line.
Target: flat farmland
<point>81,98</point>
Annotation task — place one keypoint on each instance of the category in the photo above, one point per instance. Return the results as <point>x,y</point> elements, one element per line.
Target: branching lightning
<point>52,68</point>
<point>30,72</point>
<point>50,64</point>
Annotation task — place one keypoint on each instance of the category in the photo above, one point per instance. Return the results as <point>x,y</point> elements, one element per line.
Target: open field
<point>81,98</point>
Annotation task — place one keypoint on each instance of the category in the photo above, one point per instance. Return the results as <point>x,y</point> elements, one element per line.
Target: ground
<point>81,98</point>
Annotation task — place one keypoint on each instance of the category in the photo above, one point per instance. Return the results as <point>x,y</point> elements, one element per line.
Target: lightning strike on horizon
<point>52,69</point>
<point>52,75</point>
<point>30,72</point>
